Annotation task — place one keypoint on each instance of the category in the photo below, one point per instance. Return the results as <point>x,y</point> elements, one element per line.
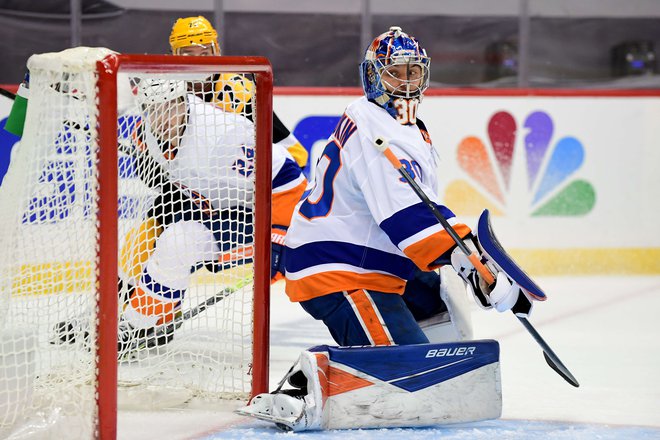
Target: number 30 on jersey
<point>406,111</point>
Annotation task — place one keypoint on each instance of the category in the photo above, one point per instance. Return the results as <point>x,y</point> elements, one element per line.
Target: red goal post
<point>108,69</point>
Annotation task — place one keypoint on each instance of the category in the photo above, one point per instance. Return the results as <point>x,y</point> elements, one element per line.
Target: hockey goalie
<point>371,262</point>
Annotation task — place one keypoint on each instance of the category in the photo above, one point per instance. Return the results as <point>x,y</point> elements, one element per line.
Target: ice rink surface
<point>605,329</point>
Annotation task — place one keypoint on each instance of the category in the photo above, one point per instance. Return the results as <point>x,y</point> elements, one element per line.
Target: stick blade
<point>561,370</point>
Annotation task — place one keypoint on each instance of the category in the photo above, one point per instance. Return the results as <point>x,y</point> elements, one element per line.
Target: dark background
<point>324,49</point>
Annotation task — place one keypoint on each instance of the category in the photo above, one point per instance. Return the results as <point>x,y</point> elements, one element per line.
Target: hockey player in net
<point>362,255</point>
<point>189,151</point>
<point>194,36</point>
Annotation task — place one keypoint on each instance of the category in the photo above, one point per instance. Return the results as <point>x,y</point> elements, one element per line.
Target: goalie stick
<point>551,358</point>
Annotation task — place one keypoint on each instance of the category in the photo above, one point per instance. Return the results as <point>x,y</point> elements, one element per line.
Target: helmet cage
<point>390,49</point>
<point>402,87</point>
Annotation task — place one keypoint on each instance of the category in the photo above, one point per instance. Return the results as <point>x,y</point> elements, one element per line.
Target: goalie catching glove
<point>504,294</point>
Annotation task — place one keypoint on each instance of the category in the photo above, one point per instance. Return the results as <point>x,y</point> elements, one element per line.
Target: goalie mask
<point>395,74</point>
<point>194,36</point>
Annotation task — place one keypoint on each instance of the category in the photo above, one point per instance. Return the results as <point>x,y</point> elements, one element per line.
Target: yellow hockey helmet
<point>193,31</point>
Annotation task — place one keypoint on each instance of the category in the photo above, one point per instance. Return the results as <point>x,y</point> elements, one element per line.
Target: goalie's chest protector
<point>337,229</point>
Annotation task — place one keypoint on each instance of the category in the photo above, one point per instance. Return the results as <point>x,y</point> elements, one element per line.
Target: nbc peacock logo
<point>551,165</point>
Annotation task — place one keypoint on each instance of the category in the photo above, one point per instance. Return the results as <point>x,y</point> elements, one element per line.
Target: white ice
<point>605,329</point>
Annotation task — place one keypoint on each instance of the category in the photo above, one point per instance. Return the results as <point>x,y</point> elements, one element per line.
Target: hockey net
<point>133,187</point>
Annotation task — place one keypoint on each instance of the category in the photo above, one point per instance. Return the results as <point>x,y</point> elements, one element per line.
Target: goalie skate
<point>496,254</point>
<point>455,324</point>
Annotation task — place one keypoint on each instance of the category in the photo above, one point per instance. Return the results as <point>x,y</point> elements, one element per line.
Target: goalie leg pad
<point>455,324</point>
<point>396,386</point>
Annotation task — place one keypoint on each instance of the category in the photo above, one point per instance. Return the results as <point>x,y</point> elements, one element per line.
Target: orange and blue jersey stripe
<point>330,281</point>
<point>326,266</point>
<point>322,267</point>
<point>408,222</point>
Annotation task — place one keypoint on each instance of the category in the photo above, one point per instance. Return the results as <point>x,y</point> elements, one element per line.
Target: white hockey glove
<point>503,295</point>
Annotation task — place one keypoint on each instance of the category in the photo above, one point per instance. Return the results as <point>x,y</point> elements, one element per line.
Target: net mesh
<point>185,213</point>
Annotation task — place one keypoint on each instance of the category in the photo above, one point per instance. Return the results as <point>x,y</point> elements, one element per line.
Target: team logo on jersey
<point>552,169</point>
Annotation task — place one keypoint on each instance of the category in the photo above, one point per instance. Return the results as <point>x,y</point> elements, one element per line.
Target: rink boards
<point>568,176</point>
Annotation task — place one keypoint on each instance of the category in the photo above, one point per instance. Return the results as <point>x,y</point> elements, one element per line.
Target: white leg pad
<point>392,386</point>
<point>456,324</point>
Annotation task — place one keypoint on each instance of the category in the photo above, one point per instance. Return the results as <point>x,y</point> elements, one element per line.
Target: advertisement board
<point>570,179</point>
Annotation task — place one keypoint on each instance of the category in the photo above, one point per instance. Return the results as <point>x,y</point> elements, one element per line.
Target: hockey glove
<point>277,235</point>
<point>502,295</point>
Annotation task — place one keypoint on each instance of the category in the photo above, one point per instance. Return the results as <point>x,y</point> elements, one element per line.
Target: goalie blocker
<point>512,290</point>
<point>383,387</point>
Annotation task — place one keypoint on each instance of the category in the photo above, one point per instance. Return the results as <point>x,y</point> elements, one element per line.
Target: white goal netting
<point>185,211</point>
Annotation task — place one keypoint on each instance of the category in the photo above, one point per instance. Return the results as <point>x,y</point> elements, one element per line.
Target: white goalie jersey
<point>362,227</point>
